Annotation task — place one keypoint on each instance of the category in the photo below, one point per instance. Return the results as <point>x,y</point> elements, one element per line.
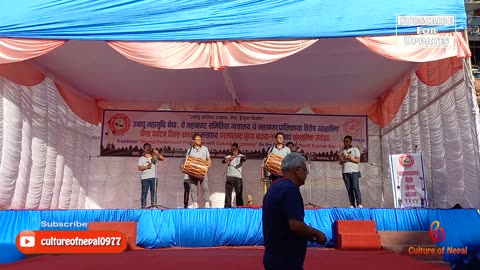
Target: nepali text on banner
<point>320,136</point>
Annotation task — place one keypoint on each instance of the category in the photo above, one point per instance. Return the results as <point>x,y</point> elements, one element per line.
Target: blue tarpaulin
<point>173,20</point>
<point>235,227</point>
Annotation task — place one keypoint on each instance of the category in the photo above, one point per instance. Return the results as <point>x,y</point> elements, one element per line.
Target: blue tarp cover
<point>235,227</point>
<point>190,20</point>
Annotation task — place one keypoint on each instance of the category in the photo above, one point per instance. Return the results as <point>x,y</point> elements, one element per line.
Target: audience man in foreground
<point>284,231</point>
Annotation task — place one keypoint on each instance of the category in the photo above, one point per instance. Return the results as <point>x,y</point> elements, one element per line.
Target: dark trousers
<point>186,193</point>
<point>237,184</point>
<point>353,189</point>
<point>146,184</point>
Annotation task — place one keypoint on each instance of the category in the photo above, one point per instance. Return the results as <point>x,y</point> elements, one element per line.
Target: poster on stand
<point>408,181</point>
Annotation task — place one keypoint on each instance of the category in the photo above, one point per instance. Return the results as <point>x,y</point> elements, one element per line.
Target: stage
<point>237,227</point>
<point>219,258</point>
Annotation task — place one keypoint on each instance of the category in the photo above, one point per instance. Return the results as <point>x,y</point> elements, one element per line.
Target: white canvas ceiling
<point>331,72</point>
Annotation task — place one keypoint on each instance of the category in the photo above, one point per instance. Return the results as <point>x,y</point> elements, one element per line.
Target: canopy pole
<point>468,59</point>
<point>382,176</point>
<point>470,78</point>
<point>230,86</point>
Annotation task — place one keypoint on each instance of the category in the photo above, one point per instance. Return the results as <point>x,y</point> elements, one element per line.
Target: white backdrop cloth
<point>44,149</point>
<point>443,123</point>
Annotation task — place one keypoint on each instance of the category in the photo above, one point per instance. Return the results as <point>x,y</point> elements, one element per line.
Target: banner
<point>408,180</point>
<point>319,136</point>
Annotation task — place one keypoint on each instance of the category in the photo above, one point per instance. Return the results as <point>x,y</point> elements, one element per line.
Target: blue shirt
<point>283,248</point>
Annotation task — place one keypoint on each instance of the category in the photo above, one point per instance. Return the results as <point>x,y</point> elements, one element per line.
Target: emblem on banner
<point>119,123</point>
<point>353,127</point>
<point>406,161</point>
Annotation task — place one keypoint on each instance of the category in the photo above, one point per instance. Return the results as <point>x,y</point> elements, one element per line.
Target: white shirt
<point>284,151</point>
<point>148,173</point>
<point>235,167</point>
<point>348,166</point>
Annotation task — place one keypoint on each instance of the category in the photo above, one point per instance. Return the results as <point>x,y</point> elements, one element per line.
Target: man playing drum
<point>279,150</point>
<point>199,151</point>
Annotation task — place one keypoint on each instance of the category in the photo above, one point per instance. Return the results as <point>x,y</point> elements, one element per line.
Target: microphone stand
<point>155,205</point>
<point>423,200</point>
<point>381,175</point>
<point>310,185</point>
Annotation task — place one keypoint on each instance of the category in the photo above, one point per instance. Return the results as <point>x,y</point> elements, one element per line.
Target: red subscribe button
<point>61,242</point>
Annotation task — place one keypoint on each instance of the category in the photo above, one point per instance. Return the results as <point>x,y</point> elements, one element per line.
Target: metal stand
<point>155,205</point>
<point>424,200</point>
<point>310,185</point>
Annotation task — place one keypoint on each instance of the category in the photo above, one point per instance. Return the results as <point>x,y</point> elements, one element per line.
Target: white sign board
<point>408,180</point>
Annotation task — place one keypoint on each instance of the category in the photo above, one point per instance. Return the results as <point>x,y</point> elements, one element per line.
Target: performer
<point>234,176</point>
<point>292,147</point>
<point>284,230</point>
<point>279,149</point>
<point>201,151</point>
<point>349,157</point>
<point>147,164</point>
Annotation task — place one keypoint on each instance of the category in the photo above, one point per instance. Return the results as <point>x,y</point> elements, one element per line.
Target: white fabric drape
<point>216,54</point>
<point>444,130</point>
<point>44,149</point>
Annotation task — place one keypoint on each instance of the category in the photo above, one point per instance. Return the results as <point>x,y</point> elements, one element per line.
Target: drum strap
<point>239,155</point>
<point>270,150</point>
<point>226,170</point>
<point>188,153</point>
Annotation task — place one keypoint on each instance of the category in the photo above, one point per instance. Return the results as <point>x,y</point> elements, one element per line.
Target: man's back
<point>283,248</point>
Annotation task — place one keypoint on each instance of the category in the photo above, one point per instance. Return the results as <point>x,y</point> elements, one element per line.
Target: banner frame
<point>365,118</point>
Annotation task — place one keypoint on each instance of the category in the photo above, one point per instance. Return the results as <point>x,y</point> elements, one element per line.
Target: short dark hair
<point>278,134</point>
<point>348,137</point>
<point>146,145</point>
<point>196,134</point>
<point>290,143</point>
<point>235,144</point>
